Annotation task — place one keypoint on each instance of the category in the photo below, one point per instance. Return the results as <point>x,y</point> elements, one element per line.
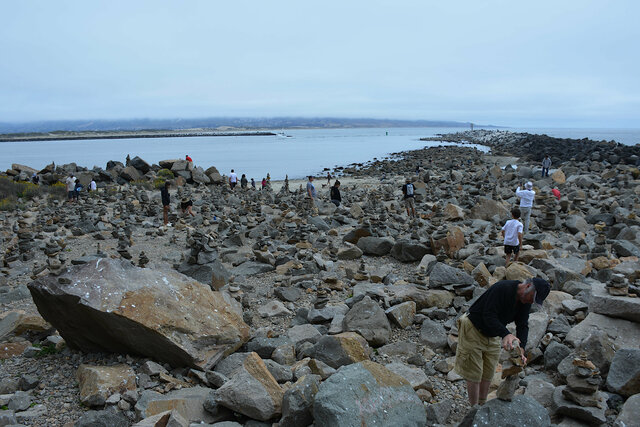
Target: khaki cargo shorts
<point>409,203</point>
<point>476,355</point>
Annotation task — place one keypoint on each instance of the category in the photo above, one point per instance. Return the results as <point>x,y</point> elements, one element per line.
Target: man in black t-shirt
<point>334,194</point>
<point>164,194</point>
<point>482,331</point>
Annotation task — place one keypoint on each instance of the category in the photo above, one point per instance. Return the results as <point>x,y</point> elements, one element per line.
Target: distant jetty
<point>59,136</point>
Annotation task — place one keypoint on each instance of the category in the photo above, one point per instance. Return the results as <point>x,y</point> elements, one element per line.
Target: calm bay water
<point>307,152</point>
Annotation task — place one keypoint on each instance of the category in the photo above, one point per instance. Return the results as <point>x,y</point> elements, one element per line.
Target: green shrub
<point>165,174</point>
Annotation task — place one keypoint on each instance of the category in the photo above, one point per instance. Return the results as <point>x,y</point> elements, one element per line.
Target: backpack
<point>409,190</point>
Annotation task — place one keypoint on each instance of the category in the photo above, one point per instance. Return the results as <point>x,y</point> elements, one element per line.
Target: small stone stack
<point>143,260</point>
<point>511,373</point>
<point>583,383</point>
<point>25,240</point>
<point>322,298</point>
<point>618,285</point>
<point>549,220</point>
<point>600,248</point>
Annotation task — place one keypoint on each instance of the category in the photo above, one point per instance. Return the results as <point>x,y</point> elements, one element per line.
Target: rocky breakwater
<point>355,301</point>
<point>533,147</point>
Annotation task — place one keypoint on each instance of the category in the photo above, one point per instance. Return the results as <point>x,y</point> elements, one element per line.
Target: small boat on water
<point>281,134</point>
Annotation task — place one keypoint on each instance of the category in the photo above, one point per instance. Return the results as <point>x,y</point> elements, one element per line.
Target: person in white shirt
<point>512,233</point>
<point>526,203</point>
<point>71,187</point>
<point>233,179</point>
<point>93,186</point>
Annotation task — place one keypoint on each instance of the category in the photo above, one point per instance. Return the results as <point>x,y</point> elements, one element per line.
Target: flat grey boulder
<point>189,402</point>
<point>443,274</point>
<point>408,251</point>
<point>297,403</point>
<point>589,414</point>
<point>433,334</point>
<point>625,334</point>
<point>377,246</point>
<point>521,411</point>
<point>614,306</point>
<point>624,372</point>
<point>367,394</point>
<point>112,306</point>
<point>250,268</point>
<point>369,320</point>
<point>630,412</point>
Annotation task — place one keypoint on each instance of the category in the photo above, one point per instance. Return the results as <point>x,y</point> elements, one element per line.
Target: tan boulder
<point>601,263</point>
<point>558,177</point>
<point>439,298</point>
<point>482,275</point>
<point>452,242</point>
<point>252,391</point>
<point>453,212</point>
<point>97,383</point>
<point>110,305</point>
<point>528,255</point>
<point>486,208</point>
<point>518,271</point>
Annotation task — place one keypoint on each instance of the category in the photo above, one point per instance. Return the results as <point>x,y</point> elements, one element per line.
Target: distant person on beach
<point>268,178</point>
<point>512,233</point>
<point>409,201</point>
<point>546,164</point>
<point>243,182</point>
<point>77,188</point>
<point>70,182</point>
<point>334,194</point>
<point>233,179</point>
<point>526,203</point>
<point>185,206</point>
<point>253,183</point>
<point>329,178</point>
<point>188,159</point>
<point>166,200</point>
<point>92,185</point>
<point>127,161</point>
<point>264,183</point>
<point>311,192</point>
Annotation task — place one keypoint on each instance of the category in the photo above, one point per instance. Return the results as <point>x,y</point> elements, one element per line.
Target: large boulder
<point>341,349</point>
<point>97,383</point>
<point>408,251</point>
<point>113,306</point>
<point>614,306</point>
<point>369,320</point>
<point>252,390</point>
<point>443,274</point>
<point>630,412</point>
<point>486,209</point>
<point>297,403</point>
<point>371,245</point>
<point>624,373</point>
<point>521,411</point>
<point>623,333</point>
<point>367,394</point>
<point>188,402</point>
<point>140,164</point>
<point>451,243</point>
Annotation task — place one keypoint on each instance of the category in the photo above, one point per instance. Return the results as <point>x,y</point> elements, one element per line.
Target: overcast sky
<point>546,63</point>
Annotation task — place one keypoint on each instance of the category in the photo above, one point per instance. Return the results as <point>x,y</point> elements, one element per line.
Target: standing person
<point>409,202</point>
<point>264,183</point>
<point>482,331</point>
<point>233,179</point>
<point>188,159</point>
<point>328,178</point>
<point>166,200</point>
<point>253,183</point>
<point>77,188</point>
<point>35,178</point>
<point>526,203</point>
<point>512,233</point>
<point>93,186</point>
<point>70,182</point>
<point>334,194</point>
<point>311,192</point>
<point>546,164</point>
<point>243,182</point>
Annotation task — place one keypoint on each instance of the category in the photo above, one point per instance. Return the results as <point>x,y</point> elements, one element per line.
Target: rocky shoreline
<point>260,311</point>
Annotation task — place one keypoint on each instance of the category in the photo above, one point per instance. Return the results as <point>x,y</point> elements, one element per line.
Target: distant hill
<point>215,122</point>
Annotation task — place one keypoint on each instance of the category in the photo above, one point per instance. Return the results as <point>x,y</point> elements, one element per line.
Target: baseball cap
<point>529,186</point>
<point>542,290</point>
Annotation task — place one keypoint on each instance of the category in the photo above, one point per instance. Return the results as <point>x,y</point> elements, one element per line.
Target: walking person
<point>334,194</point>
<point>328,178</point>
<point>166,201</point>
<point>512,233</point>
<point>253,183</point>
<point>409,200</point>
<point>482,331</point>
<point>526,196</point>
<point>311,193</point>
<point>243,182</point>
<point>77,188</point>
<point>233,179</point>
<point>546,164</point>
<point>70,182</point>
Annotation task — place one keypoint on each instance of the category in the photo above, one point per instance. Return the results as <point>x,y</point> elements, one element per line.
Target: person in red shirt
<point>556,193</point>
<point>188,159</point>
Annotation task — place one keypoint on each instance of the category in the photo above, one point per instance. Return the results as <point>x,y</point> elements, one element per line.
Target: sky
<point>545,63</point>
